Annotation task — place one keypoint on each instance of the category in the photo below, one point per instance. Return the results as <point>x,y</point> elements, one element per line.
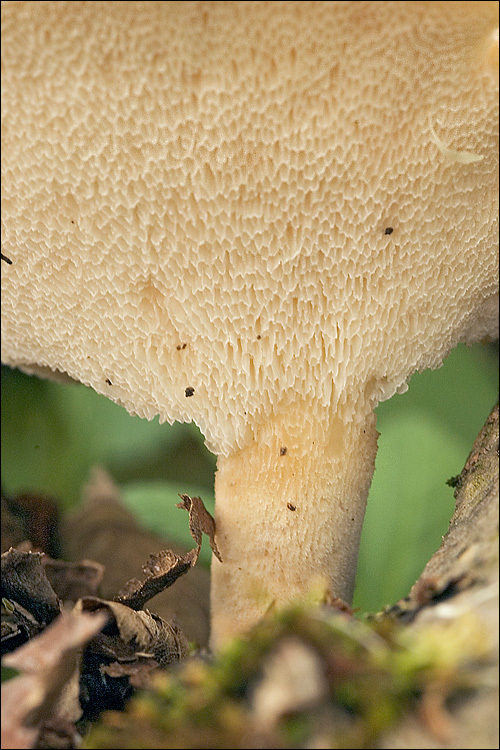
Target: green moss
<point>375,673</point>
<point>296,730</point>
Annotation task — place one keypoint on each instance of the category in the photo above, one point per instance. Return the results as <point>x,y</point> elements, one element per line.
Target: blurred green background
<point>52,434</point>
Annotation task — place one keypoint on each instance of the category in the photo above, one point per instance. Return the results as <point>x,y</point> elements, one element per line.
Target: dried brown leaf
<point>161,571</point>
<point>132,635</point>
<point>18,697</point>
<point>48,687</point>
<point>200,522</point>
<point>24,581</point>
<point>72,581</point>
<point>103,530</point>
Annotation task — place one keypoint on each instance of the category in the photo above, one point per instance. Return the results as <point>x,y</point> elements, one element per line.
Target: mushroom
<point>261,217</point>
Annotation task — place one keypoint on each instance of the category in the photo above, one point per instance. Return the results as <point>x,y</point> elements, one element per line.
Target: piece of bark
<point>459,588</point>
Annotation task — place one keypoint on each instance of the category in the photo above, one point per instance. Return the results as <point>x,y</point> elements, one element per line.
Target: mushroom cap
<point>211,207</point>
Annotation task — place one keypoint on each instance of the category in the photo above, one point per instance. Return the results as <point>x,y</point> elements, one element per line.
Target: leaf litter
<point>74,654</point>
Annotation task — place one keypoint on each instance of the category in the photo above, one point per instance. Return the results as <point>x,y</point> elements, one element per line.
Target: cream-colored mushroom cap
<point>259,216</point>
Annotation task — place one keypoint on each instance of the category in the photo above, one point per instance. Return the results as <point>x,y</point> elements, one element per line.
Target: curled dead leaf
<point>200,522</point>
<point>48,686</point>
<point>130,633</point>
<point>24,581</point>
<point>161,571</point>
<point>165,567</point>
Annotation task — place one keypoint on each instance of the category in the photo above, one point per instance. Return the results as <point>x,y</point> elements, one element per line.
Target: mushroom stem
<point>289,513</point>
